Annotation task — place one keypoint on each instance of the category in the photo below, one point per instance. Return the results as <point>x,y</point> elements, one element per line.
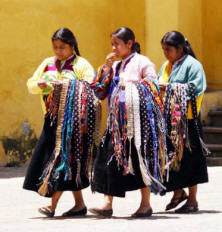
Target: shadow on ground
<point>12,172</point>
<point>199,212</point>
<point>154,217</point>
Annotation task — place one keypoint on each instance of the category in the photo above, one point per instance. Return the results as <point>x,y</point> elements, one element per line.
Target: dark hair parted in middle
<point>176,39</point>
<point>126,34</point>
<point>66,36</point>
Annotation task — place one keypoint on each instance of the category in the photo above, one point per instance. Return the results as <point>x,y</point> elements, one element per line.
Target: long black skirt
<point>108,178</point>
<point>40,158</point>
<point>193,168</point>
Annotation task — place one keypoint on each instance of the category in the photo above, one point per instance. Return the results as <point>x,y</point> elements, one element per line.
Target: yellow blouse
<point>81,67</point>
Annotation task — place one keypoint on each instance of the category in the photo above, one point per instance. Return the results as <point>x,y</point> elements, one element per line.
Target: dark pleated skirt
<point>40,158</point>
<point>108,178</point>
<point>193,168</point>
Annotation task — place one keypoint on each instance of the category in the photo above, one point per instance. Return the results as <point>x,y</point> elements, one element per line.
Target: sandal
<point>46,211</point>
<point>101,212</point>
<point>175,201</point>
<point>188,208</point>
<point>148,213</point>
<point>72,213</point>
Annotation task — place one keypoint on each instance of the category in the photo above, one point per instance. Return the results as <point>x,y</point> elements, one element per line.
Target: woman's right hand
<point>110,59</point>
<point>42,84</point>
<point>162,85</point>
<point>53,83</point>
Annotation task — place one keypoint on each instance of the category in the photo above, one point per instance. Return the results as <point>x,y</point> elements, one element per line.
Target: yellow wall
<point>163,16</point>
<point>27,26</point>
<point>190,23</point>
<point>212,42</point>
<point>199,20</point>
<point>130,13</point>
<point>26,30</point>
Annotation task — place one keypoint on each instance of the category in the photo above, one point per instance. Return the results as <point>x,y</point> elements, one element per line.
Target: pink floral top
<point>134,68</point>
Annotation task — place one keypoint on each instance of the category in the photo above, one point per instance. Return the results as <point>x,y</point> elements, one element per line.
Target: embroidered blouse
<point>186,70</point>
<point>74,67</point>
<point>134,68</point>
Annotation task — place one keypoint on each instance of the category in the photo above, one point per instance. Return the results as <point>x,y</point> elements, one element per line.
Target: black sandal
<point>47,212</point>
<point>188,208</point>
<point>72,213</point>
<point>101,212</point>
<point>148,213</point>
<point>175,201</point>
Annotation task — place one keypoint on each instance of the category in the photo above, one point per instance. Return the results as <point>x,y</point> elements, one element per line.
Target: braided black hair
<point>176,39</point>
<point>126,34</point>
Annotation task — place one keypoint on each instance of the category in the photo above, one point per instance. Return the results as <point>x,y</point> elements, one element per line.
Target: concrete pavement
<point>18,210</point>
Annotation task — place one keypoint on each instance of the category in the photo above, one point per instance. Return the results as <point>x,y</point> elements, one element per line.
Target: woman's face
<point>171,53</point>
<point>120,48</point>
<point>62,50</point>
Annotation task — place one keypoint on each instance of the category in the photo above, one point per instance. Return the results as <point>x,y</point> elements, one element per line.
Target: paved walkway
<point>18,210</point>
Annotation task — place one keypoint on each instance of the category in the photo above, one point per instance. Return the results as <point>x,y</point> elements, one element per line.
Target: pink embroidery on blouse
<point>139,67</point>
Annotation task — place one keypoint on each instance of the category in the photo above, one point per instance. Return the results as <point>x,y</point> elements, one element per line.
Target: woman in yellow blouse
<point>66,64</point>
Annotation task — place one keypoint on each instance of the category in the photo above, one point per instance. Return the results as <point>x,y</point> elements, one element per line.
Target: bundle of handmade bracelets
<point>75,110</point>
<point>177,97</point>
<point>137,114</point>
